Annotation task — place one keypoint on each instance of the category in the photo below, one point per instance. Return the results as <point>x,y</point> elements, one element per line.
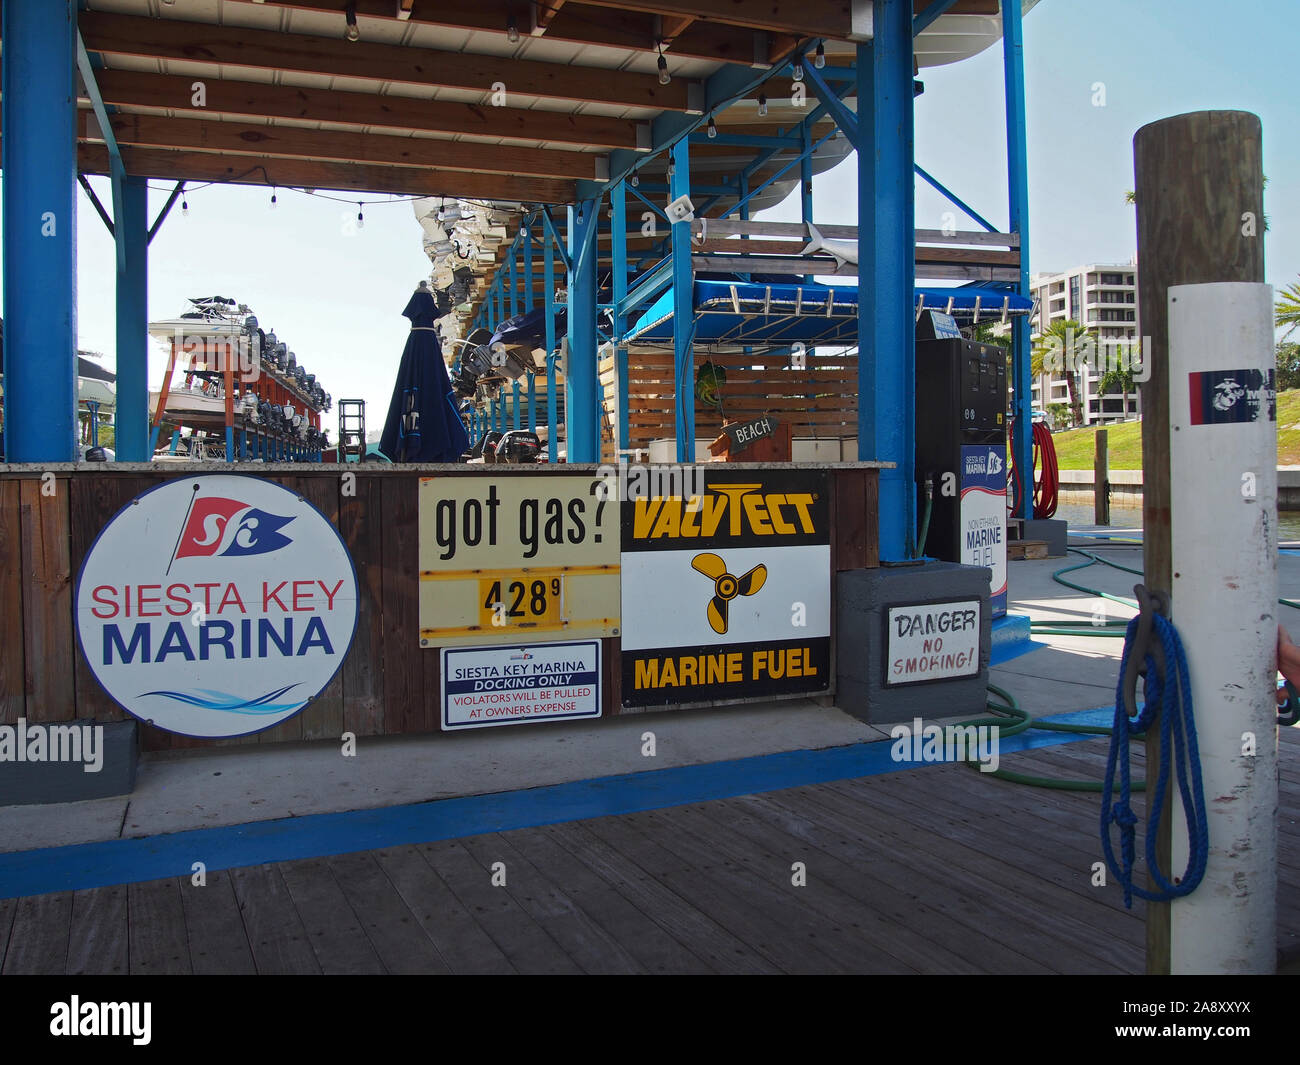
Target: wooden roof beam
<point>317,174</point>
<point>129,88</point>
<point>257,138</point>
<point>271,50</point>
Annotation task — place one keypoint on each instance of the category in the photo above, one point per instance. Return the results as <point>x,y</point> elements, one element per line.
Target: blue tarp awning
<point>745,312</point>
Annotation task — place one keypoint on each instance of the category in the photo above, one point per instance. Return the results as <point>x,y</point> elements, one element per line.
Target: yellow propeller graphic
<point>725,586</point>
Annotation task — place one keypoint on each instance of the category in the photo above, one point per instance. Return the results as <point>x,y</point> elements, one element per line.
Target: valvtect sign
<point>216,606</point>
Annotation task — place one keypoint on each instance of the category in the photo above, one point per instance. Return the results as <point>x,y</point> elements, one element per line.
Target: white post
<point>1223,518</point>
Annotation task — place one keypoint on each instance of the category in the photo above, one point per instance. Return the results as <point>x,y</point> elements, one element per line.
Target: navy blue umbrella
<point>423,424</point>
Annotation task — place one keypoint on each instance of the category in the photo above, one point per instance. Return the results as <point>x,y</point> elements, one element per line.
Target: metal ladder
<point>352,430</point>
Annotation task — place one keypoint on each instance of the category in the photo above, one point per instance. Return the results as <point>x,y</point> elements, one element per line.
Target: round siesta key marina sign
<point>216,606</point>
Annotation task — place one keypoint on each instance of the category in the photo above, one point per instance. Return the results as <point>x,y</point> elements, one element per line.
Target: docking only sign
<point>932,641</point>
<point>216,606</point>
<point>727,592</point>
<point>487,686</point>
<point>517,557</point>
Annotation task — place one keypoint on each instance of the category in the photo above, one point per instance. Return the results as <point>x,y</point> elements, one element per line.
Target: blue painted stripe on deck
<point>125,861</point>
<point>1011,638</point>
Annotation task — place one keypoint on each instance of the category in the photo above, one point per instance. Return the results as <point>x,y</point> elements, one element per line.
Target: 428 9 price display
<point>526,602</point>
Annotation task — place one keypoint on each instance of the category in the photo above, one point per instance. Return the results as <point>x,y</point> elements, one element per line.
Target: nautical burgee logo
<point>102,1018</point>
<point>53,743</point>
<point>946,743</point>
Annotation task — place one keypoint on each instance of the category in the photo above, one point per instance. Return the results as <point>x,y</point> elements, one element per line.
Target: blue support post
<point>548,296</point>
<point>39,104</point>
<point>583,378</point>
<point>131,230</point>
<point>806,176</point>
<point>528,306</point>
<point>618,246</point>
<point>887,269</point>
<point>683,309</point>
<point>1013,67</point>
<point>176,441</point>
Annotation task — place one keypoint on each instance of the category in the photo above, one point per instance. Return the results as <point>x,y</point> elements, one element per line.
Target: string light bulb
<point>635,180</point>
<point>185,208</point>
<point>819,57</point>
<point>352,33</point>
<point>664,76</point>
<point>272,199</point>
<point>762,105</point>
<point>713,127</point>
<point>512,30</point>
<point>797,72</point>
<point>672,169</point>
<point>361,218</point>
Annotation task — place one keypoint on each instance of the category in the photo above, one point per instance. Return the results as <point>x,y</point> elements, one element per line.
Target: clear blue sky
<point>336,293</point>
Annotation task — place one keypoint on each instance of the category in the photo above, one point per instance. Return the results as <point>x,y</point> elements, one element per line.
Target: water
<point>1130,517</point>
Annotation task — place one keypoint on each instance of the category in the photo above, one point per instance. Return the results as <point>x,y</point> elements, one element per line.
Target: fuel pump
<point>961,449</point>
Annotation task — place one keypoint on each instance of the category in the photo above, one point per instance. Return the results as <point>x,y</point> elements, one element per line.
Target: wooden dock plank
<point>363,676</point>
<point>527,944</point>
<point>594,950</point>
<point>460,940</point>
<point>38,939</point>
<point>714,944</point>
<point>652,945</point>
<point>773,922</point>
<point>47,600</point>
<point>885,918</point>
<point>405,708</point>
<point>276,935</point>
<point>323,719</point>
<point>214,927</point>
<point>393,931</point>
<point>334,930</point>
<point>996,897</point>
<point>98,939</point>
<point>158,941</point>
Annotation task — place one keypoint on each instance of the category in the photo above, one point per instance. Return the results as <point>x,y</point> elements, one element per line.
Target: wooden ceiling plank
<point>316,174</point>
<point>272,50</point>
<point>129,88</point>
<point>244,138</point>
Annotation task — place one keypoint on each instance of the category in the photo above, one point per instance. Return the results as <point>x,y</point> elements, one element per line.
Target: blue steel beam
<point>927,17</point>
<point>582,378</point>
<point>647,288</point>
<point>618,252</point>
<point>830,99</point>
<point>39,104</point>
<point>528,306</point>
<point>683,310</point>
<point>117,171</point>
<point>548,298</point>
<point>953,198</point>
<point>166,209</point>
<point>132,237</point>
<point>1013,67</point>
<point>887,249</point>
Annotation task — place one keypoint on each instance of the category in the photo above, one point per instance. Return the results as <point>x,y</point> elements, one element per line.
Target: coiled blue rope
<point>1167,700</point>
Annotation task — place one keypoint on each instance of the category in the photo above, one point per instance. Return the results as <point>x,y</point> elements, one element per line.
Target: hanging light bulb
<point>512,30</point>
<point>713,127</point>
<point>797,72</point>
<point>272,199</point>
<point>579,216</point>
<point>361,218</point>
<point>819,57</point>
<point>664,76</point>
<point>762,105</point>
<point>636,180</point>
<point>185,208</point>
<point>672,169</point>
<point>352,33</point>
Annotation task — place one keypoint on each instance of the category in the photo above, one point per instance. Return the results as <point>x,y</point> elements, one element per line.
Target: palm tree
<point>1287,309</point>
<point>1063,342</point>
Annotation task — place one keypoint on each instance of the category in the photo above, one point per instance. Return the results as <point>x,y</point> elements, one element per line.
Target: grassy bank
<point>1074,449</point>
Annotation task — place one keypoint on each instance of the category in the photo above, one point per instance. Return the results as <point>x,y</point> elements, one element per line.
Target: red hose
<point>1046,484</point>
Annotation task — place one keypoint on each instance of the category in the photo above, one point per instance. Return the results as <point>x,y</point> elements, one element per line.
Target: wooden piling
<point>1100,478</point>
<point>1200,219</point>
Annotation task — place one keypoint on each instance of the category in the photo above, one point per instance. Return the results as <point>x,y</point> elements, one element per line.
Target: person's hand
<point>1288,661</point>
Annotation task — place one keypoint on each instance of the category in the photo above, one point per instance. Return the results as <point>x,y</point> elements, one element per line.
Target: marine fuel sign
<point>726,592</point>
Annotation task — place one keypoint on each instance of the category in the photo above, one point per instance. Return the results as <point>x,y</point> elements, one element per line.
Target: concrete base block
<point>863,600</point>
<point>1053,530</point>
<point>59,766</point>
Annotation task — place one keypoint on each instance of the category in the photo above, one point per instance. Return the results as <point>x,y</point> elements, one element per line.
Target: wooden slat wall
<point>821,400</point>
<point>388,684</point>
